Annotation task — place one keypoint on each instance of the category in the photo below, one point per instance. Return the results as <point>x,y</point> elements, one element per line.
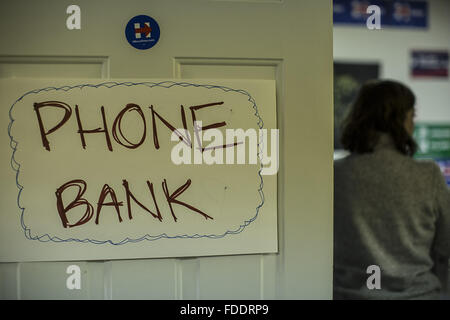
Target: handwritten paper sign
<point>136,169</point>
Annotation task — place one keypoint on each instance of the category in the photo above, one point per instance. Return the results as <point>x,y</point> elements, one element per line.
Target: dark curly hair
<point>380,107</point>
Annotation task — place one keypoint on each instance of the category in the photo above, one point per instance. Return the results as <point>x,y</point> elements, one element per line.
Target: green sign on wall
<point>433,140</point>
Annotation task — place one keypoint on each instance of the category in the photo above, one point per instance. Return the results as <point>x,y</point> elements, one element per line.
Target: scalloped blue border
<point>164,84</point>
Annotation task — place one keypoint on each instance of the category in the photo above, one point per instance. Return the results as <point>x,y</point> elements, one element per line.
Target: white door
<point>289,41</point>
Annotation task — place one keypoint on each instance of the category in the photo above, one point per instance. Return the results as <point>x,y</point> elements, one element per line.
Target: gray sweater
<point>391,211</point>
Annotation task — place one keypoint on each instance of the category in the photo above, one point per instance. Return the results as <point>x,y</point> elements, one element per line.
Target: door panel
<point>249,277</point>
<point>53,67</point>
<point>9,281</point>
<point>144,279</point>
<point>47,280</point>
<point>237,277</point>
<point>227,68</point>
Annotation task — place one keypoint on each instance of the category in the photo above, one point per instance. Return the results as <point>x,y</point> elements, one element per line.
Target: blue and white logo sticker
<point>142,32</point>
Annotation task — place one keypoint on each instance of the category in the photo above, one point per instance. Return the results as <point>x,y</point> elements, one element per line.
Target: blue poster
<point>142,32</point>
<point>445,169</point>
<point>396,13</point>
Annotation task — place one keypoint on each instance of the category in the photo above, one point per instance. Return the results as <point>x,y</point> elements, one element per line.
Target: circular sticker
<point>142,32</point>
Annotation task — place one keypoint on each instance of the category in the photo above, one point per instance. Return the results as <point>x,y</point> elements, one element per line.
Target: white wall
<point>391,48</point>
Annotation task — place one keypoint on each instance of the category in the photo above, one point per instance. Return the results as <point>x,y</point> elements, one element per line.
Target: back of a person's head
<point>381,106</point>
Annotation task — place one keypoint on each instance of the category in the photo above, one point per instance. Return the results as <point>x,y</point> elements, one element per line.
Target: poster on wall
<point>137,169</point>
<point>348,78</point>
<point>394,14</point>
<point>429,64</point>
<point>433,140</point>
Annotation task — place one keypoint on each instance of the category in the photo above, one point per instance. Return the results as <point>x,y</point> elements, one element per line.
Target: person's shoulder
<point>435,172</point>
<point>426,164</point>
<point>427,168</point>
<point>342,161</point>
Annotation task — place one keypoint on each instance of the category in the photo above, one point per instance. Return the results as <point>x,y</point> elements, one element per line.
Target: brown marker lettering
<point>131,196</point>
<point>117,127</point>
<point>185,139</point>
<point>78,201</point>
<point>101,202</point>
<point>82,131</point>
<point>53,104</point>
<point>171,198</point>
<point>211,126</point>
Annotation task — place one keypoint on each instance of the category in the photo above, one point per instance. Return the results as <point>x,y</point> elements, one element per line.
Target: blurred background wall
<point>413,47</point>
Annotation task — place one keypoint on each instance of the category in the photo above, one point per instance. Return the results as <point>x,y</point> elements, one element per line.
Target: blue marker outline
<point>164,84</point>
